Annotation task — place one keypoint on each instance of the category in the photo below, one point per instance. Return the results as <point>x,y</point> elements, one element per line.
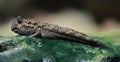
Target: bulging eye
<point>19,19</point>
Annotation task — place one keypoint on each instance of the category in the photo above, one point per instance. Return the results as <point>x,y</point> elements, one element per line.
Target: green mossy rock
<point>30,49</point>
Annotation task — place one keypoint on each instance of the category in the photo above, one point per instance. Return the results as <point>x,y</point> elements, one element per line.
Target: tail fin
<point>96,43</point>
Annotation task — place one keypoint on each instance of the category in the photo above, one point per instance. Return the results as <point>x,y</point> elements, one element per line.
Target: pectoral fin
<point>37,34</point>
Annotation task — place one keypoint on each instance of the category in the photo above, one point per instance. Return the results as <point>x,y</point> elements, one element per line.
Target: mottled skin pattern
<point>34,28</point>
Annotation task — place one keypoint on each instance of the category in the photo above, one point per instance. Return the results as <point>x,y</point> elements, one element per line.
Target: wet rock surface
<point>8,44</point>
<point>31,49</point>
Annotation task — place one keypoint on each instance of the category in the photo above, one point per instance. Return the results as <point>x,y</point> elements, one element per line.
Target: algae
<point>31,49</point>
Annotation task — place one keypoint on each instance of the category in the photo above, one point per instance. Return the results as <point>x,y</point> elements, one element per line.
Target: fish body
<point>34,28</point>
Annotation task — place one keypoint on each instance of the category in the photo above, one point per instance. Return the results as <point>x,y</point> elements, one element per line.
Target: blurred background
<point>82,15</point>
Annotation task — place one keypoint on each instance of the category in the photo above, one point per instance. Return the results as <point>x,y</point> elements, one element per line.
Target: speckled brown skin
<point>34,28</point>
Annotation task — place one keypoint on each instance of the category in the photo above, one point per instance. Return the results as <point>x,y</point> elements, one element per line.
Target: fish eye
<point>19,19</point>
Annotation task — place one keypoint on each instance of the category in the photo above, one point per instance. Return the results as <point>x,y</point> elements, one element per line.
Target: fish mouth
<point>15,30</point>
<point>13,26</point>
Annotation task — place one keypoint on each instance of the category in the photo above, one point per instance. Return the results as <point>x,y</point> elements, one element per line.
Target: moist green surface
<point>52,50</point>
